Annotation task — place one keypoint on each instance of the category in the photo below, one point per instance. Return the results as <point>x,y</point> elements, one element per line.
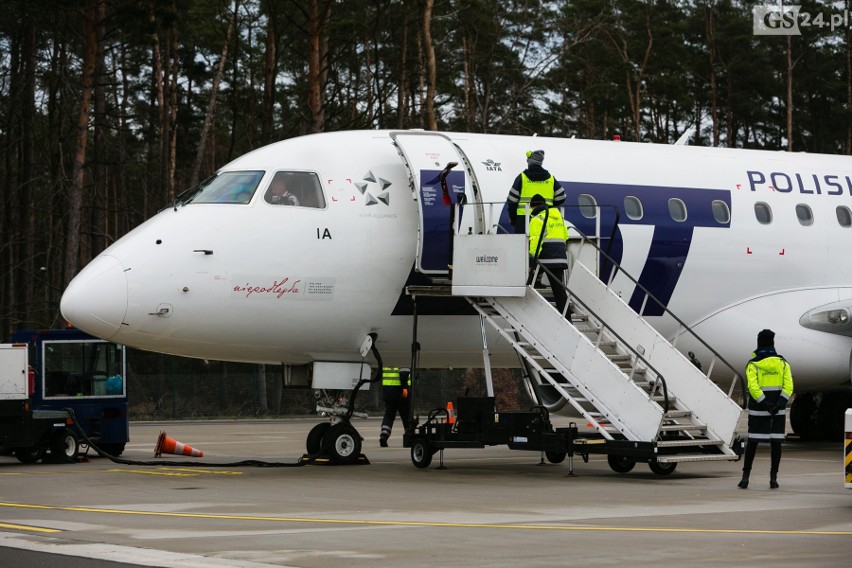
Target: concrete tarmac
<point>489,507</point>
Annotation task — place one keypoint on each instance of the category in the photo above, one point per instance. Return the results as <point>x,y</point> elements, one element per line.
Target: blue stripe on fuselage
<point>671,239</point>
<point>668,251</point>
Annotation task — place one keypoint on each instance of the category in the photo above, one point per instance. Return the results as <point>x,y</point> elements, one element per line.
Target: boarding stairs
<point>622,376</point>
<point>626,380</point>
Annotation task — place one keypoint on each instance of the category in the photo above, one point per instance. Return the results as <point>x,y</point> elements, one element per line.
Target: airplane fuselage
<point>261,282</point>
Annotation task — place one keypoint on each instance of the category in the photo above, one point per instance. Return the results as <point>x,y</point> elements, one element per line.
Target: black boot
<point>775,462</point>
<point>383,441</point>
<point>743,484</point>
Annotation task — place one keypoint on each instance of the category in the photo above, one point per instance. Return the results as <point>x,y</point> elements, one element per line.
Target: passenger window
<point>588,206</point>
<point>228,187</point>
<point>763,213</point>
<point>844,216</point>
<point>633,208</point>
<point>721,212</point>
<point>301,189</point>
<point>677,209</point>
<point>805,215</point>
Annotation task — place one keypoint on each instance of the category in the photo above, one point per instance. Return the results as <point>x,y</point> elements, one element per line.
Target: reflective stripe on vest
<point>390,377</point>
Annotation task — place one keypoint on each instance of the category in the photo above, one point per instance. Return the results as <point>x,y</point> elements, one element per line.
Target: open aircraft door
<point>427,155</point>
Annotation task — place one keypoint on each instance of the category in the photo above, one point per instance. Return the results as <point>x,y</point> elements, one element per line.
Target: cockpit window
<point>301,189</point>
<point>228,187</point>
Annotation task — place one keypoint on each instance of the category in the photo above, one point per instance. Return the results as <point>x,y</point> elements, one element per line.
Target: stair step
<point>678,413</point>
<point>682,427</point>
<point>678,458</point>
<point>618,357</point>
<point>687,443</point>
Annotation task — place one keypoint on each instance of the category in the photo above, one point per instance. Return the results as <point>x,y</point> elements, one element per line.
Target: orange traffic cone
<point>451,413</point>
<point>166,445</point>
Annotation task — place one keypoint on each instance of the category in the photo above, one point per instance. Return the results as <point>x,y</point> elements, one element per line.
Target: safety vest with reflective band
<point>768,373</point>
<point>551,239</point>
<point>529,188</point>
<point>390,377</point>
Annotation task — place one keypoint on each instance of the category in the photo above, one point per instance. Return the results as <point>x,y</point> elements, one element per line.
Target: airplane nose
<point>96,299</point>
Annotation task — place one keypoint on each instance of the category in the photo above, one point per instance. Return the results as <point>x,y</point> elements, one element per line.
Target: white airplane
<point>732,241</point>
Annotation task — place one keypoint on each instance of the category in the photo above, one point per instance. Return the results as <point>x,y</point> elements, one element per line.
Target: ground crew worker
<point>548,234</point>
<point>395,387</point>
<point>770,385</point>
<point>535,179</point>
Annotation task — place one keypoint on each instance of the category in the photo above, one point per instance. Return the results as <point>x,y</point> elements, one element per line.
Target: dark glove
<point>773,409</point>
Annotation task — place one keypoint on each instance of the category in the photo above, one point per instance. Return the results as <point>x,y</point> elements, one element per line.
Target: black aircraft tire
<point>421,453</point>
<point>342,443</point>
<point>620,464</point>
<point>662,468</point>
<point>314,442</point>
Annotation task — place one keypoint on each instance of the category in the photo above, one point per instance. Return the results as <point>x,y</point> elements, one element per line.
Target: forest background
<point>109,108</point>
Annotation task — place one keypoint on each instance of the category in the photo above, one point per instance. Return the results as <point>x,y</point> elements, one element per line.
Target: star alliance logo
<point>374,189</point>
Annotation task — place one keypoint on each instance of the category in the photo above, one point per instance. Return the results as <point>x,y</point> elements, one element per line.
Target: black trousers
<point>774,456</point>
<point>559,294</point>
<point>393,407</point>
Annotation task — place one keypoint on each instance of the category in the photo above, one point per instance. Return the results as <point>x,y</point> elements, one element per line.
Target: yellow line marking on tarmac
<point>364,522</point>
<point>149,472</point>
<point>196,470</point>
<point>175,472</point>
<point>27,528</point>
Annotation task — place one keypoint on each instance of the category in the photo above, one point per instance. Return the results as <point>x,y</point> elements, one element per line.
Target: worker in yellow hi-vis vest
<point>533,180</point>
<point>395,388</point>
<point>770,385</point>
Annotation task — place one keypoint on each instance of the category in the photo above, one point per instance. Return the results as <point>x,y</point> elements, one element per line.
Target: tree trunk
<point>269,69</point>
<point>431,68</point>
<point>317,45</point>
<point>714,101</point>
<point>75,190</point>
<point>211,106</point>
<point>789,94</point>
<point>401,111</point>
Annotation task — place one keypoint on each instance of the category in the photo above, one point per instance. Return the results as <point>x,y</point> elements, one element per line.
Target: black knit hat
<point>766,338</point>
<point>538,202</point>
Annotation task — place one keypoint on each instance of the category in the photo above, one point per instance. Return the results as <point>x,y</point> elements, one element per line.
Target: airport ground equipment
<point>644,399</point>
<point>51,378</point>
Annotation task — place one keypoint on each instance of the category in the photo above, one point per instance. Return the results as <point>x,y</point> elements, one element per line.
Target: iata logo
<point>492,166</point>
<point>374,189</point>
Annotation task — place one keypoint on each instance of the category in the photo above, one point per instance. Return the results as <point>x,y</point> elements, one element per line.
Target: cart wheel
<point>342,443</point>
<point>314,442</point>
<point>65,445</point>
<point>555,457</point>
<point>662,468</point>
<point>29,455</point>
<point>421,453</point>
<point>620,464</point>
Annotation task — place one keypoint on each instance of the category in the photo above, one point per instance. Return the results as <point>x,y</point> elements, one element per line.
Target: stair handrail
<point>684,328</point>
<point>659,382</point>
<point>493,227</point>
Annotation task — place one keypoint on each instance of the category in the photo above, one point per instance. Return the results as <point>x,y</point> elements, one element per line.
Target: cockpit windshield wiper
<point>187,195</point>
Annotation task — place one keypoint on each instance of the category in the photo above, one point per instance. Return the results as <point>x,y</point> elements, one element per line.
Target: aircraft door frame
<point>425,155</point>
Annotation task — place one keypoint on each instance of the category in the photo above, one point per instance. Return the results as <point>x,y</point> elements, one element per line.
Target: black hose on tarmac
<point>305,460</point>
